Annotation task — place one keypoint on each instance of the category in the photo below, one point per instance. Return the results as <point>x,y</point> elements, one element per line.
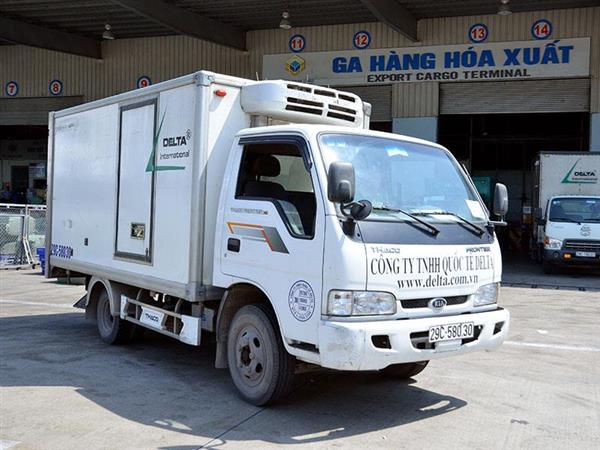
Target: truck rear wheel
<point>112,329</point>
<point>261,369</point>
<point>404,371</point>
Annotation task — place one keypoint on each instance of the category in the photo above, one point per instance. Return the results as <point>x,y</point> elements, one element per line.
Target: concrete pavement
<point>62,388</point>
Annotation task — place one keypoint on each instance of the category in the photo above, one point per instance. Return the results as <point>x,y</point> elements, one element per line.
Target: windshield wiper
<point>475,228</point>
<point>430,228</point>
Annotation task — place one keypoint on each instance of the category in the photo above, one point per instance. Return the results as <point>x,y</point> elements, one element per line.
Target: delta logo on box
<point>578,175</point>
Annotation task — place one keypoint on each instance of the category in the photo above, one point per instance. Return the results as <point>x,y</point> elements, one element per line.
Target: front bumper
<point>570,258</point>
<point>350,345</point>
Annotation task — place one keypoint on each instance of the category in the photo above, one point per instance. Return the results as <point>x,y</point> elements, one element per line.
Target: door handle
<point>233,245</point>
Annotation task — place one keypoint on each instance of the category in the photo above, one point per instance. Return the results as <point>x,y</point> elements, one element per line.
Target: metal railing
<point>22,232</point>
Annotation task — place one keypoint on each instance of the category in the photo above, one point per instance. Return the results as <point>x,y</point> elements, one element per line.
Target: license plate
<point>585,254</point>
<point>451,332</point>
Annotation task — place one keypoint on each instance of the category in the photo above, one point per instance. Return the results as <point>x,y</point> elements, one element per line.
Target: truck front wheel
<point>261,369</point>
<point>112,329</point>
<point>404,371</point>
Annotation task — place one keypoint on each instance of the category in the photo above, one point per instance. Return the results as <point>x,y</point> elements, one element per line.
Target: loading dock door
<point>540,96</point>
<point>136,185</point>
<point>33,110</point>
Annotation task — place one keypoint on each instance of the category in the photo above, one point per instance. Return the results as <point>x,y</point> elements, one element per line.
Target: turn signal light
<point>220,93</point>
<point>567,256</point>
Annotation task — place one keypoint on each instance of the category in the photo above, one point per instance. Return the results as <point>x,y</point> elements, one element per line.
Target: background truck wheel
<point>549,268</point>
<point>261,369</point>
<point>404,371</point>
<point>112,329</point>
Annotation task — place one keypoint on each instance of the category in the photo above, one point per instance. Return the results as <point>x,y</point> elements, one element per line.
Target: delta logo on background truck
<point>579,175</point>
<point>567,195</point>
<point>318,241</point>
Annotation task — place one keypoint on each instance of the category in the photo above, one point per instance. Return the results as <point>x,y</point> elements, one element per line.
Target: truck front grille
<point>422,302</point>
<point>581,245</point>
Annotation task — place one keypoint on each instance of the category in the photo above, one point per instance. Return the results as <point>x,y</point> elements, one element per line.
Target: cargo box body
<point>135,182</point>
<point>565,173</point>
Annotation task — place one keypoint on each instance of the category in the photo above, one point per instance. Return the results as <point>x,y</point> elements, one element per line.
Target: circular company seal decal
<point>302,301</point>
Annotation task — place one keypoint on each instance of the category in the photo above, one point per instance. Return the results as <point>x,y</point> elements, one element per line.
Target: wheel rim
<point>106,319</point>
<point>250,356</point>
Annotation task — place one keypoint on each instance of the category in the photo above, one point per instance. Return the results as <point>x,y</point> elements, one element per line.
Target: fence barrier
<point>22,232</point>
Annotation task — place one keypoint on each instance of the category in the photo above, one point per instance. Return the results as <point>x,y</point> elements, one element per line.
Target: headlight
<point>360,303</point>
<point>486,295</point>
<point>552,244</point>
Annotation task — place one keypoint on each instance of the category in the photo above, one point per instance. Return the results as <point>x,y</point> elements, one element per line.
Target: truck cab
<point>374,249</point>
<point>571,232</point>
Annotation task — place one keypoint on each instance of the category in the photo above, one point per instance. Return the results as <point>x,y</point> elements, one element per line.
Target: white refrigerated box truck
<point>566,196</point>
<point>316,240</point>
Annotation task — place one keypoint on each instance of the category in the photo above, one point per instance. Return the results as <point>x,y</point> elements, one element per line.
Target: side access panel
<point>136,185</point>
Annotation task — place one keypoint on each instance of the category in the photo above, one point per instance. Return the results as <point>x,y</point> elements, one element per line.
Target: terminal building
<point>494,81</point>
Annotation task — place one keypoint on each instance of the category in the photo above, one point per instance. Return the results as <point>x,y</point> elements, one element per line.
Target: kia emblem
<point>437,303</point>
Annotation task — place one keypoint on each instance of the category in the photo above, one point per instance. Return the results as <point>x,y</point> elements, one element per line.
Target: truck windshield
<point>413,177</point>
<point>578,210</point>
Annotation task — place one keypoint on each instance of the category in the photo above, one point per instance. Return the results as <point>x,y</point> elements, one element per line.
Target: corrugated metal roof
<point>87,17</point>
<point>454,8</point>
<point>264,14</point>
<point>84,17</point>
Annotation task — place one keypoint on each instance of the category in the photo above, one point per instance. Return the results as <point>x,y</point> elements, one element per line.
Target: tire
<point>260,367</point>
<point>404,371</point>
<point>112,330</point>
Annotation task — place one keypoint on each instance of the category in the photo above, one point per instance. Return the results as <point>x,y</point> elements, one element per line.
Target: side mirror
<point>539,215</point>
<point>500,200</point>
<point>340,182</point>
<point>360,210</point>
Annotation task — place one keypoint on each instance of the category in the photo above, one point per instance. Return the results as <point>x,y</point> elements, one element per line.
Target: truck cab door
<point>274,229</point>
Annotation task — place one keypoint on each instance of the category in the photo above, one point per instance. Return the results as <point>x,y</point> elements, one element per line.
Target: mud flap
<point>81,303</point>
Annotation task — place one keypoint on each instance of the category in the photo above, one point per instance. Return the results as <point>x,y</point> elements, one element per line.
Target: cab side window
<point>277,173</point>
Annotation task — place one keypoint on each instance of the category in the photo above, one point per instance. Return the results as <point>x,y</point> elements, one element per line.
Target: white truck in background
<point>318,241</point>
<point>567,210</point>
